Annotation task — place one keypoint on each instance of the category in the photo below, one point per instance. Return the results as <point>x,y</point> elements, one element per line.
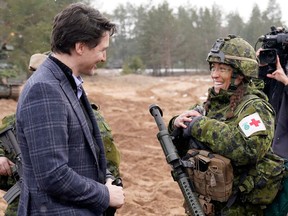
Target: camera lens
<point>268,56</point>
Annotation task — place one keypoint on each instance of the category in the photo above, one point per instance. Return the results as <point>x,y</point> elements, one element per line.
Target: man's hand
<point>5,166</point>
<point>116,193</point>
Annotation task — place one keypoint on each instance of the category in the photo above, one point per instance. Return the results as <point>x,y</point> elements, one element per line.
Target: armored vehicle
<point>10,85</point>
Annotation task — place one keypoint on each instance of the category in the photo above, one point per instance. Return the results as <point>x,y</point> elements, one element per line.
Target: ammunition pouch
<point>211,174</point>
<point>207,206</point>
<point>205,203</point>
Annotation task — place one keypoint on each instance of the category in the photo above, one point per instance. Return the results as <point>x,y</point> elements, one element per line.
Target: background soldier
<point>8,175</point>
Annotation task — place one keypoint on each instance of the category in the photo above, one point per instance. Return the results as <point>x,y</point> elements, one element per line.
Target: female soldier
<point>236,122</point>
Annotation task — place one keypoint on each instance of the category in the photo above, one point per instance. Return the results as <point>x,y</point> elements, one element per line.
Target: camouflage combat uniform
<point>250,156</point>
<point>258,172</point>
<point>112,153</point>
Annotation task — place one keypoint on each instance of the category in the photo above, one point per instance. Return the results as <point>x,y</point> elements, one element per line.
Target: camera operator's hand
<point>279,73</point>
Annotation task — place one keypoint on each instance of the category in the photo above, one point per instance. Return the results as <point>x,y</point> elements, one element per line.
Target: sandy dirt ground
<point>124,101</point>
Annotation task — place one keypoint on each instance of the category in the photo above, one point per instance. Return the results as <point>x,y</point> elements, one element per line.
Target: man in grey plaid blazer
<point>64,165</point>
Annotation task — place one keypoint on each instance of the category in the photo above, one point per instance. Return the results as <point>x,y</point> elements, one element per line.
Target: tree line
<point>152,37</point>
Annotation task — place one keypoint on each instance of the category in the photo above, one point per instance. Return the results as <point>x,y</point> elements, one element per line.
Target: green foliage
<point>133,65</point>
<point>126,69</point>
<point>161,36</point>
<point>9,72</point>
<point>235,24</point>
<point>27,25</point>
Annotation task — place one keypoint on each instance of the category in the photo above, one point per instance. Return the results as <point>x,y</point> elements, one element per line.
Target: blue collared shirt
<point>78,81</point>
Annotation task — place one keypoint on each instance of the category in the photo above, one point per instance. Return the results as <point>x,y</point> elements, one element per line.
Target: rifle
<point>176,163</point>
<point>9,143</point>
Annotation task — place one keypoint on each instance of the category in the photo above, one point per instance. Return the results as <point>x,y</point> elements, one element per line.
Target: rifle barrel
<point>174,160</point>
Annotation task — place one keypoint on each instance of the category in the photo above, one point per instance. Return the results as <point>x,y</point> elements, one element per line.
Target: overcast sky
<point>244,7</point>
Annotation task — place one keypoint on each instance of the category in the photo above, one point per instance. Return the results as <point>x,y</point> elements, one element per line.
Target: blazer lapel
<point>81,117</point>
<point>96,131</point>
<point>67,89</point>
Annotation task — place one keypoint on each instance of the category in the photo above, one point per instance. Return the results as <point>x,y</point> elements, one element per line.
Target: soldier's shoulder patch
<point>252,124</point>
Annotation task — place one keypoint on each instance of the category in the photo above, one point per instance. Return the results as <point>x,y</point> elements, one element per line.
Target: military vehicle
<point>10,85</point>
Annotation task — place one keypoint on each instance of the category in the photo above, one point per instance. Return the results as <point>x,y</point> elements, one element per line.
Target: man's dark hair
<point>79,23</point>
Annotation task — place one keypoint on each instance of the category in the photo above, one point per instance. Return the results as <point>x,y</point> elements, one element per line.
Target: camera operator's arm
<point>279,73</point>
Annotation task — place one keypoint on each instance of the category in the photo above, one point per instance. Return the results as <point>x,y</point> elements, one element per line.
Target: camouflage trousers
<point>12,208</point>
<point>237,209</point>
<point>279,207</point>
<point>240,209</point>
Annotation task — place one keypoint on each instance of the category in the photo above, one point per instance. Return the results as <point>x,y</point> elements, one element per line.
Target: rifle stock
<point>175,161</point>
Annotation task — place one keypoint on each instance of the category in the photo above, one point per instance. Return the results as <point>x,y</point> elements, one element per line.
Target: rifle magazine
<point>12,193</point>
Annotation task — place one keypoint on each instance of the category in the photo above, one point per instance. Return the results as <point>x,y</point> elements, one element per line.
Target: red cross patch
<point>251,124</point>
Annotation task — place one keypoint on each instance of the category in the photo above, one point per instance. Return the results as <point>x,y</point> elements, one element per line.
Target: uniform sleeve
<point>228,139</point>
<point>171,124</point>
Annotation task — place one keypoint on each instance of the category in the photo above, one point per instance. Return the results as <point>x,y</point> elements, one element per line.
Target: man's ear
<point>79,48</point>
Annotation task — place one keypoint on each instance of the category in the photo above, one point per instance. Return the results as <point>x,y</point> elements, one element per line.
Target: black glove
<point>200,109</point>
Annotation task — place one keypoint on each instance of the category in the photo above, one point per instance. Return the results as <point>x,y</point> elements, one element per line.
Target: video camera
<point>277,40</point>
<point>273,43</point>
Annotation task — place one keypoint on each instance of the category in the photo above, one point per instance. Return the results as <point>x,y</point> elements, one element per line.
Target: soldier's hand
<point>184,119</point>
<point>5,166</point>
<point>116,193</point>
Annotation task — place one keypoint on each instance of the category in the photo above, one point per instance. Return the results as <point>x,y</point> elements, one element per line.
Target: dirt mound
<point>124,101</point>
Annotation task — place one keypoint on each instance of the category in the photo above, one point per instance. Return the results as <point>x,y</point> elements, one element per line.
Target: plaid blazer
<point>61,170</point>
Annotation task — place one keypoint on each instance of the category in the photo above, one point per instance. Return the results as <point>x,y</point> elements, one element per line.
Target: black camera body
<point>274,43</point>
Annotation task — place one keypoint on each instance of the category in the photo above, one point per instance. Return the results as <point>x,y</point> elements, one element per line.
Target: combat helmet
<point>36,60</point>
<point>237,53</point>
